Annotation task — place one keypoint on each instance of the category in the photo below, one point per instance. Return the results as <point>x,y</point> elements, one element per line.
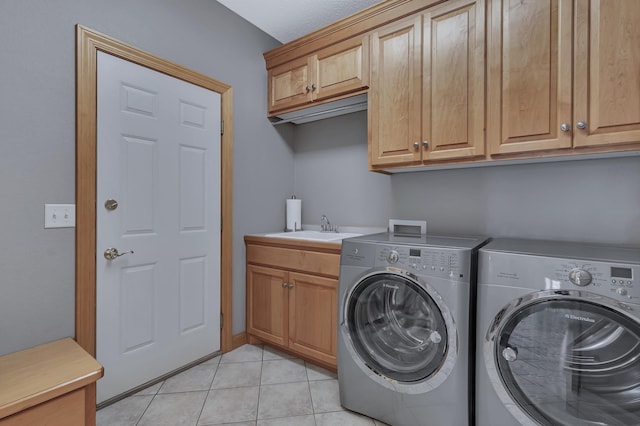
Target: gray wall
<point>331,174</point>
<point>586,200</point>
<point>37,134</point>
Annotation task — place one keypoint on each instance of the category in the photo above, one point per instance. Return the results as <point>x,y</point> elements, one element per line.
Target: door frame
<point>88,43</point>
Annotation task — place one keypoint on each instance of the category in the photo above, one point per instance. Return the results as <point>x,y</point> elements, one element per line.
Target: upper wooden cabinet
<point>333,72</point>
<point>426,101</point>
<point>462,81</point>
<point>395,98</point>
<point>607,73</point>
<point>529,79</point>
<point>551,87</point>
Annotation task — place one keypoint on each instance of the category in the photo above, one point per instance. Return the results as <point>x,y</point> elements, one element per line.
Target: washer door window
<point>571,362</point>
<point>396,327</point>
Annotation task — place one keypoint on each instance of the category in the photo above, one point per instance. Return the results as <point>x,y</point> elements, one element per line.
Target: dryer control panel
<point>619,281</point>
<point>613,280</point>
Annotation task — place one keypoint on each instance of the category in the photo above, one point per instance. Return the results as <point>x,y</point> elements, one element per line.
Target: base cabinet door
<point>292,298</point>
<point>313,316</point>
<point>267,304</point>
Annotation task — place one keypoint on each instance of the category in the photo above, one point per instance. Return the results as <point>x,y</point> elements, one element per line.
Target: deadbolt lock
<point>111,204</point>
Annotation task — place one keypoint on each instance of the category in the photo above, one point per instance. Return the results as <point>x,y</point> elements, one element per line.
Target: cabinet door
<point>313,316</point>
<point>607,72</point>
<point>267,304</point>
<point>453,80</point>
<point>395,94</point>
<point>288,85</point>
<point>529,78</point>
<point>341,68</point>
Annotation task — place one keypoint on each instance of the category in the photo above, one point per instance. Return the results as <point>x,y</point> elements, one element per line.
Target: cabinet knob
<point>581,125</point>
<point>425,144</point>
<point>308,89</point>
<point>284,285</point>
<point>290,285</point>
<point>313,86</point>
<point>565,127</point>
<point>416,145</point>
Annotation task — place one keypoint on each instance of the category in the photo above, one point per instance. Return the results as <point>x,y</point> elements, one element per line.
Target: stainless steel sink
<point>314,235</point>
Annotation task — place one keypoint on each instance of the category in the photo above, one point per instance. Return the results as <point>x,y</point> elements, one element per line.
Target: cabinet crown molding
<point>358,23</point>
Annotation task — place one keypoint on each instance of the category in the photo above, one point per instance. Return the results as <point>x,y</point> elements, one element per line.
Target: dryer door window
<point>571,362</point>
<point>396,327</point>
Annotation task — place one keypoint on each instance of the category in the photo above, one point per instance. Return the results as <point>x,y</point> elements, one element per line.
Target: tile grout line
<point>208,391</point>
<point>313,411</point>
<point>148,405</point>
<point>260,384</point>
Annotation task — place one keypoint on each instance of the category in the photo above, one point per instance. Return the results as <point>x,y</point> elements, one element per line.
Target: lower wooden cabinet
<point>292,299</point>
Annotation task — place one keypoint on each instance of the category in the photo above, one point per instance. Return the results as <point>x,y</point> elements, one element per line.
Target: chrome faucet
<point>326,225</point>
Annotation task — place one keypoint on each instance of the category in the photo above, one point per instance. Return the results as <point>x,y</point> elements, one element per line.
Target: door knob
<point>581,125</point>
<point>416,145</point>
<point>565,127</point>
<point>112,253</point>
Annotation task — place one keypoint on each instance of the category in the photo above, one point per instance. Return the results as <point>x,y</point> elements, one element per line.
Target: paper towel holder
<point>294,226</point>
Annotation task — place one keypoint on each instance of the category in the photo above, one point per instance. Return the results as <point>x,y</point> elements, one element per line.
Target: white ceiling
<point>286,20</point>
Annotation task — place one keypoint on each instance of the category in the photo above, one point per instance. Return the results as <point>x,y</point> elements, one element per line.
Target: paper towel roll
<point>294,215</point>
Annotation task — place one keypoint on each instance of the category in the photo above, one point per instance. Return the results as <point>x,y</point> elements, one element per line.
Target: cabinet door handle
<point>416,145</point>
<point>308,89</point>
<point>290,286</point>
<point>581,125</point>
<point>565,127</point>
<point>284,285</point>
<point>313,86</point>
<point>425,144</point>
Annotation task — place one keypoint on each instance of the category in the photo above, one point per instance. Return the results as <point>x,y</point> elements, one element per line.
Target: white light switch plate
<point>59,215</point>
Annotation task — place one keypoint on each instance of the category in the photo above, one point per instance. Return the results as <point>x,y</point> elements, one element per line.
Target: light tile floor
<point>250,385</point>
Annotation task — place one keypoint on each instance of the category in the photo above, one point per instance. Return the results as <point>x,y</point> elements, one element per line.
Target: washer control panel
<point>440,262</point>
<point>580,277</point>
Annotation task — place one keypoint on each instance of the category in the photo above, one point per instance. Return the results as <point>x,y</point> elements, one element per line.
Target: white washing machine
<point>404,331</point>
<point>558,338</point>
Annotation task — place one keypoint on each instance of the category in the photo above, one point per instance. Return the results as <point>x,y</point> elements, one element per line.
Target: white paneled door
<point>158,205</point>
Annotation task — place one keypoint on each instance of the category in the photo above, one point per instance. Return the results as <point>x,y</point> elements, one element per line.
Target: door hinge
<point>222,127</point>
<point>221,320</point>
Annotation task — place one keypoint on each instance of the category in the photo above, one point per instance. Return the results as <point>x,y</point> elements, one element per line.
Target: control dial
<point>393,256</point>
<point>580,277</point>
